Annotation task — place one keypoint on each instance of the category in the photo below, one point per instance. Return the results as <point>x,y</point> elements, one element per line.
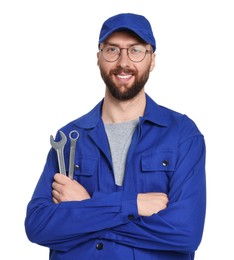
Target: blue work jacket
<point>167,154</point>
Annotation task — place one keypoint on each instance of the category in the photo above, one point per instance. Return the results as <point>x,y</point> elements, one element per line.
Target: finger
<point>160,194</point>
<point>60,178</point>
<point>56,195</point>
<point>56,186</point>
<point>55,201</point>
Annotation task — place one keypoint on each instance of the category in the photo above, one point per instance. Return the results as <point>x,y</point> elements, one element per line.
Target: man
<point>139,189</point>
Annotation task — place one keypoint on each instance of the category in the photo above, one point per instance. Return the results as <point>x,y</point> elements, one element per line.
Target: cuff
<point>129,206</point>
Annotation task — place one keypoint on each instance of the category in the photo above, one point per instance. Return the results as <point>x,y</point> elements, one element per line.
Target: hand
<point>65,189</point>
<point>151,203</point>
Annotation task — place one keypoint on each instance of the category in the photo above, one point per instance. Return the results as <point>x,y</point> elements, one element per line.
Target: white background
<point>49,76</point>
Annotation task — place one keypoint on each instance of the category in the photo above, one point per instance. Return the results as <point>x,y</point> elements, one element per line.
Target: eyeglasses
<point>135,53</point>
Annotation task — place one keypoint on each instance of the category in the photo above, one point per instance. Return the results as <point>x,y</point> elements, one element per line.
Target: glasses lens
<point>137,53</point>
<point>111,53</point>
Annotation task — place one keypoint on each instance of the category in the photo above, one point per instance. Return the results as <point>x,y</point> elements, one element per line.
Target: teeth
<point>124,77</point>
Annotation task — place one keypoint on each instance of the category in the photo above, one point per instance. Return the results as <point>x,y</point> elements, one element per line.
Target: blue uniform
<point>167,154</point>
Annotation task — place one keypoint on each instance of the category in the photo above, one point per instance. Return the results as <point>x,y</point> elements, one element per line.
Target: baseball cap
<point>128,21</point>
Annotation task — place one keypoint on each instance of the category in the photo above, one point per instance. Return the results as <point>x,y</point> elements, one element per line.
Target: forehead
<point>124,37</point>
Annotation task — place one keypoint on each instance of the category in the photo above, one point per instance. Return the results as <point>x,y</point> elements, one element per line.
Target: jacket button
<point>165,163</point>
<point>130,217</point>
<point>77,167</point>
<point>99,246</point>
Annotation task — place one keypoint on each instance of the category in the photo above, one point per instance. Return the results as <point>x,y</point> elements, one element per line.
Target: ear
<point>98,54</point>
<point>152,65</point>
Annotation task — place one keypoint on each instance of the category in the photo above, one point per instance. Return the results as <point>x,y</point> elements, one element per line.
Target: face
<point>124,78</point>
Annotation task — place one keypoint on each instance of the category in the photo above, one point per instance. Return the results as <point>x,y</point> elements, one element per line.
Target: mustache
<point>122,70</point>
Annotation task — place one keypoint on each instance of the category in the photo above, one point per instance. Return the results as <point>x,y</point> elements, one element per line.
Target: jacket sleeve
<point>180,226</point>
<point>65,225</point>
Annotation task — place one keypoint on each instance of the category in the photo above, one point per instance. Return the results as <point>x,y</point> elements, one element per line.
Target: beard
<point>129,92</point>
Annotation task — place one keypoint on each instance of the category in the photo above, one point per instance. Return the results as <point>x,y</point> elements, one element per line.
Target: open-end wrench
<point>73,135</point>
<point>59,147</point>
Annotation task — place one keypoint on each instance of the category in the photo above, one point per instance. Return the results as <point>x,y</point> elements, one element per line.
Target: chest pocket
<point>85,173</point>
<point>157,168</point>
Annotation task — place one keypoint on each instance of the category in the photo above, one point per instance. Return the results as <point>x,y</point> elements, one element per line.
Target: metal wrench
<point>59,147</point>
<point>73,135</point>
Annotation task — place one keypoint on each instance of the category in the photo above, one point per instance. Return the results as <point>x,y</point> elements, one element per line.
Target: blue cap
<point>127,21</point>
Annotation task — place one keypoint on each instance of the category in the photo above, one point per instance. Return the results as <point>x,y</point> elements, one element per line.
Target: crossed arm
<point>65,189</point>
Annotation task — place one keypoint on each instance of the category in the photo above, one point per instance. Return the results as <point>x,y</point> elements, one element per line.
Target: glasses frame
<point>119,54</point>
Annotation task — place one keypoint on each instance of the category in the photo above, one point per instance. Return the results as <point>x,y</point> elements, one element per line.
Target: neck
<point>116,111</point>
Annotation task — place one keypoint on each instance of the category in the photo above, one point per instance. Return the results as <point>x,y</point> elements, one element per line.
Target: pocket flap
<point>158,161</point>
<point>85,166</point>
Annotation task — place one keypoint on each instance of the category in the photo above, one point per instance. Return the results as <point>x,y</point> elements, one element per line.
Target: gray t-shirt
<point>119,137</point>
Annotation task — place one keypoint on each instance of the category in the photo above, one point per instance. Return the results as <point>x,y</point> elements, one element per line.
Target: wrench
<point>73,135</point>
<point>59,147</point>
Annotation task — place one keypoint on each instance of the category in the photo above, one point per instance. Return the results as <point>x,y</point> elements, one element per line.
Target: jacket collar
<point>153,113</point>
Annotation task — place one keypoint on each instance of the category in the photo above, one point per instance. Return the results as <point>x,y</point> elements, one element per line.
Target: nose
<point>123,60</point>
